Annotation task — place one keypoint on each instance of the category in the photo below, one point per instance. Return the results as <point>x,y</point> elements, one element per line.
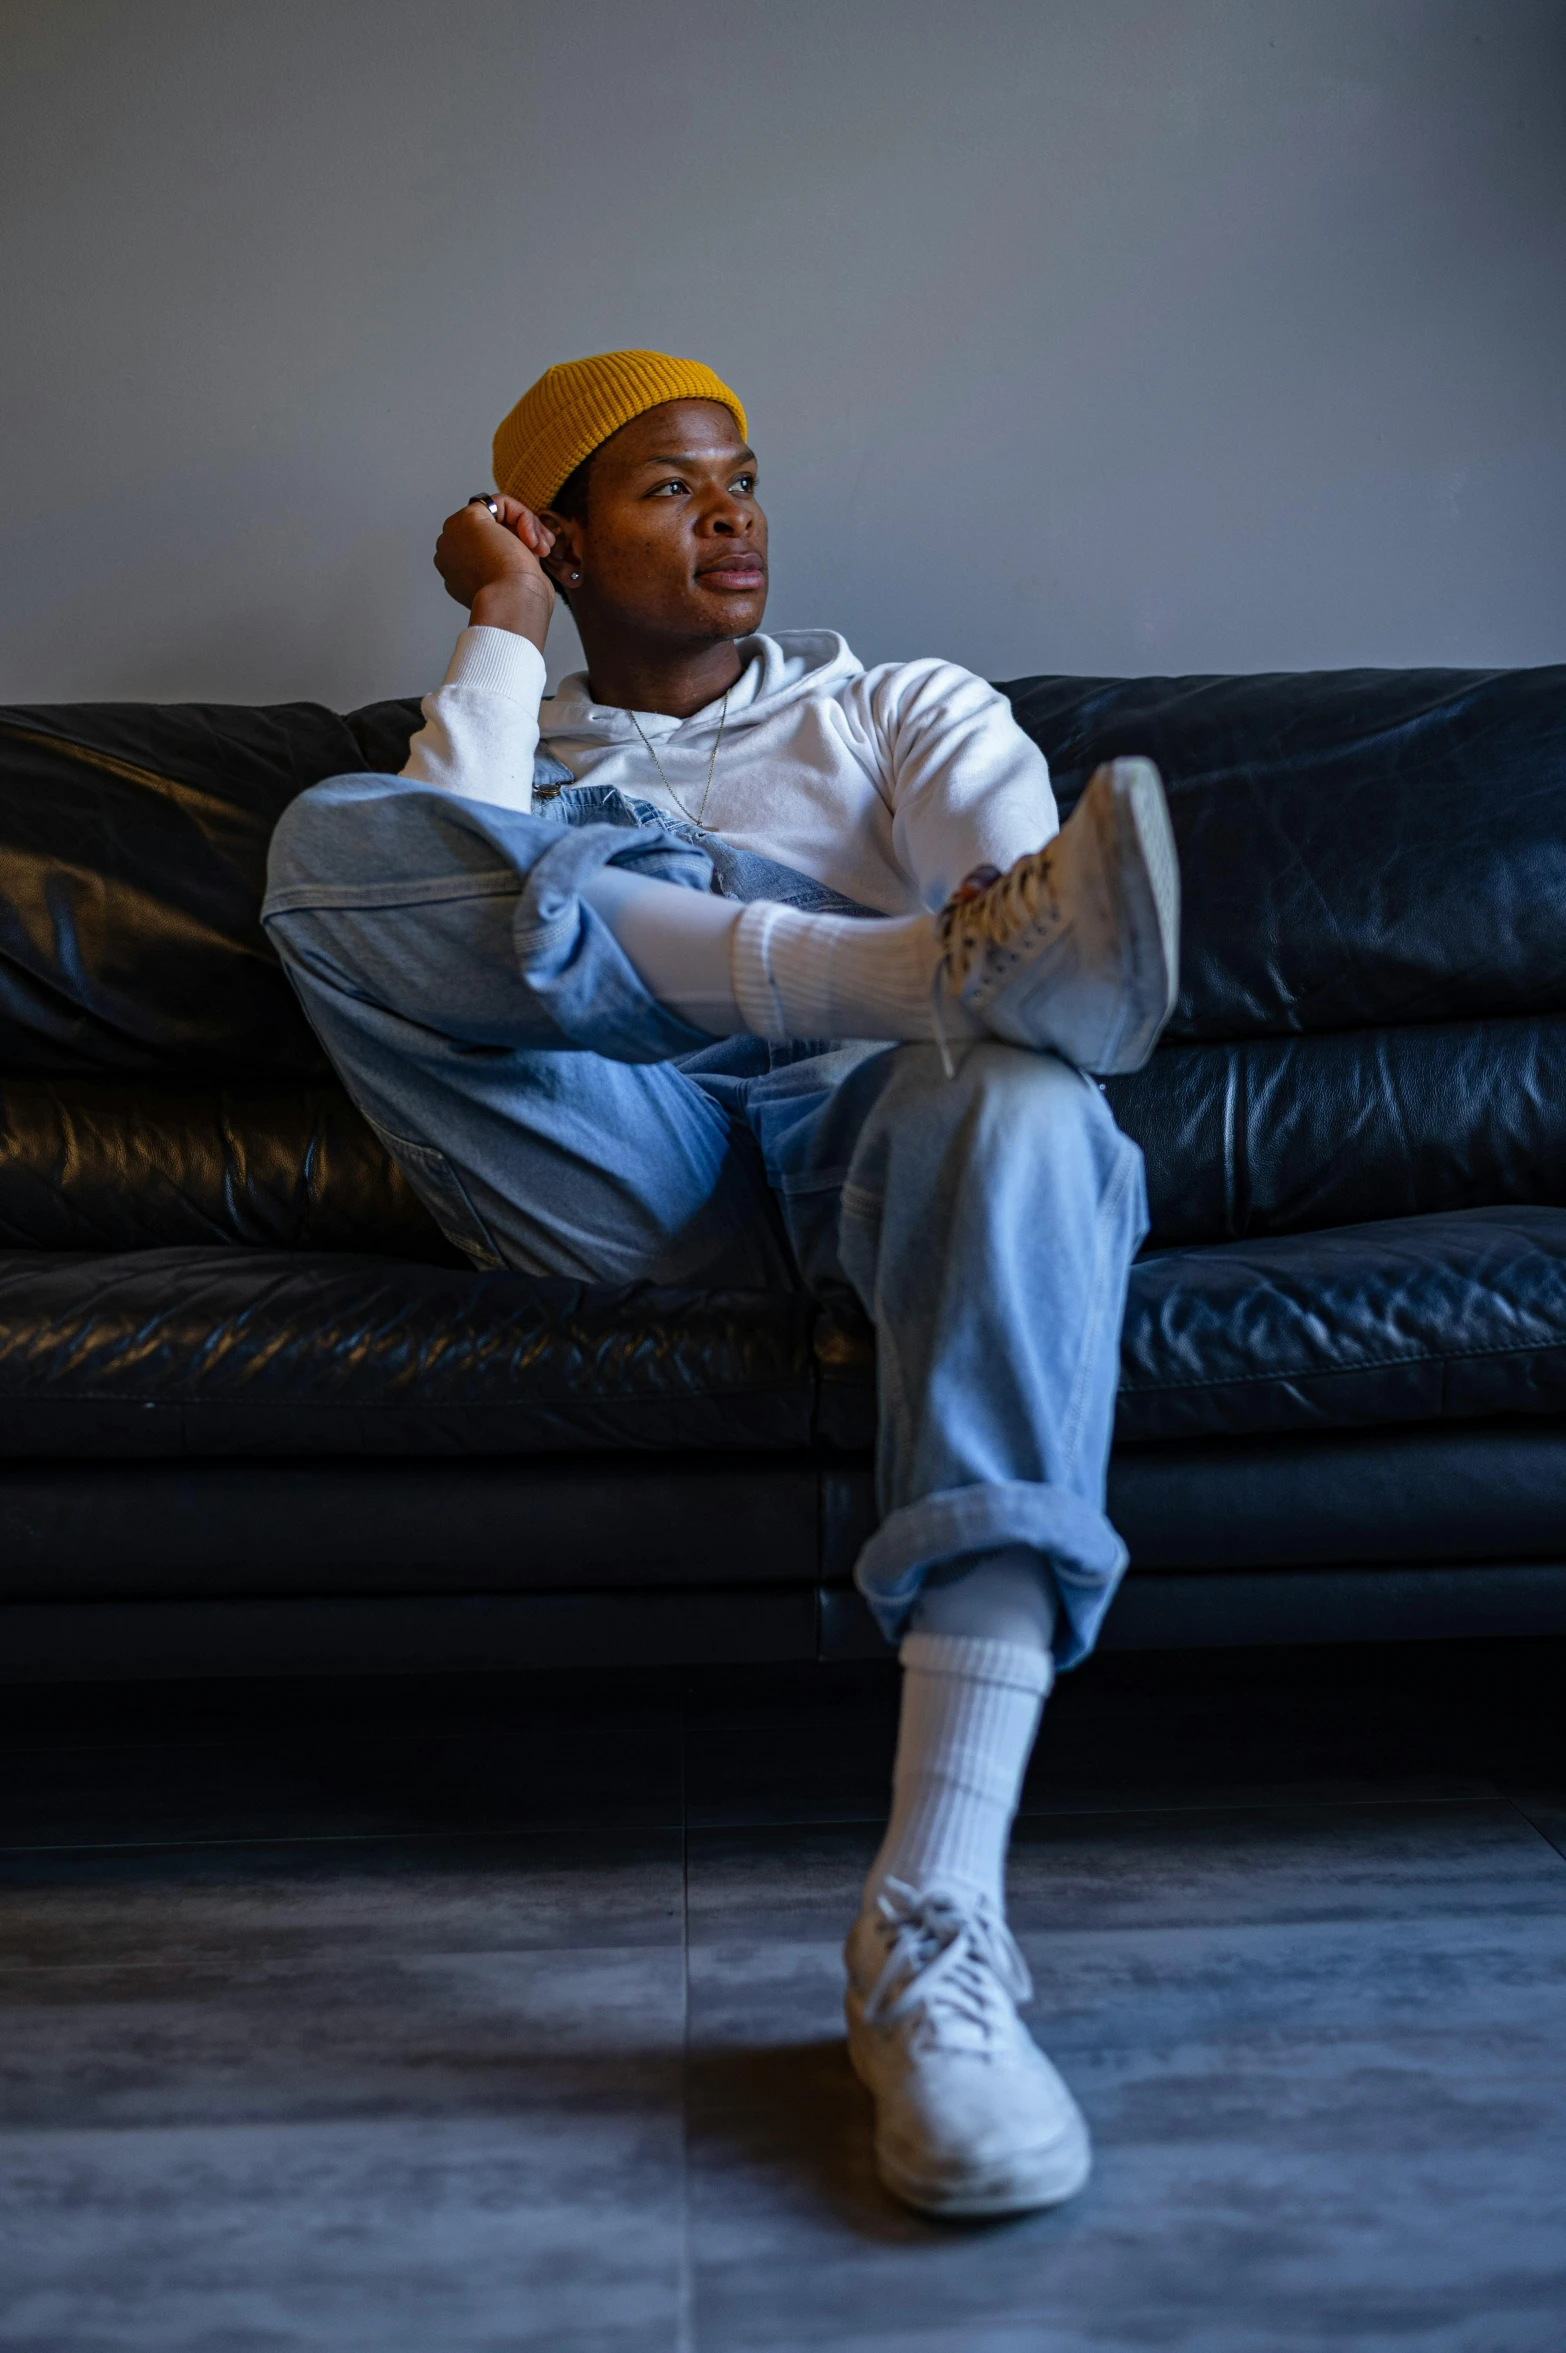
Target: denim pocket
<point>445,1196</point>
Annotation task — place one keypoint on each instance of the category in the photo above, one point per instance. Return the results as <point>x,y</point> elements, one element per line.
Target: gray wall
<point>1101,335</point>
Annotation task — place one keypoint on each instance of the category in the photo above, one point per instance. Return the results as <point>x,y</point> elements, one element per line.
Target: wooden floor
<point>467,2015</point>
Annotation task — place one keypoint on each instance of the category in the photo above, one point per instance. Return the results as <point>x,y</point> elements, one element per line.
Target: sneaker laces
<point>947,1960</point>
<point>987,909</point>
<point>990,914</point>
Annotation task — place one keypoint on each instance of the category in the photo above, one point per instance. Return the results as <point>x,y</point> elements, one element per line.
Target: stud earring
<point>576,575</point>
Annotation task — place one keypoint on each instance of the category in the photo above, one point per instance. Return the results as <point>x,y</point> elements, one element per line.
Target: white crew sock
<point>970,1712</point>
<point>772,971</point>
<point>840,976</point>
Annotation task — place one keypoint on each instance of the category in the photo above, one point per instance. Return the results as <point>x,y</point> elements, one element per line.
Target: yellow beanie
<point>574,408</point>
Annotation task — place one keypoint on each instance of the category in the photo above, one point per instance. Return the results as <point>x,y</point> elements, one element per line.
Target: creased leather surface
<point>1408,1320</point>
<point>1270,1136</point>
<point>1357,846</point>
<point>1413,1319</point>
<point>239,1352</point>
<point>133,843</point>
<point>212,1352</point>
<point>1360,848</point>
<point>1280,1135</point>
<point>383,732</point>
<point>113,1164</point>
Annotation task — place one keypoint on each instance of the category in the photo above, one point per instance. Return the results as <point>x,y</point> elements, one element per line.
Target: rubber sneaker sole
<point>1028,2181</point>
<point>1046,2177</point>
<point>1143,812</point>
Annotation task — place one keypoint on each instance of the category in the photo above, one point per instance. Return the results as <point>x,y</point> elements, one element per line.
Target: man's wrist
<point>496,662</point>
<point>522,606</point>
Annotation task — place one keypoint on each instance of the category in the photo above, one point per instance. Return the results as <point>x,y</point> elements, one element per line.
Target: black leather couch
<point>256,1414</point>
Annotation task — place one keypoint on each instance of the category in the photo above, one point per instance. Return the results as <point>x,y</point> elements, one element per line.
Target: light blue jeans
<point>558,1120</point>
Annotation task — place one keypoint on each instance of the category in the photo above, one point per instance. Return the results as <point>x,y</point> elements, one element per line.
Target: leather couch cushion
<point>1282,1135</point>
<point>1448,1491</point>
<point>109,1164</point>
<point>141,1530</point>
<point>260,1352</point>
<point>1408,1493</point>
<point>1408,1320</point>
<point>1357,846</point>
<point>133,842</point>
<point>1272,1136</point>
<point>1373,1017</point>
<point>247,1352</point>
<point>1477,1492</point>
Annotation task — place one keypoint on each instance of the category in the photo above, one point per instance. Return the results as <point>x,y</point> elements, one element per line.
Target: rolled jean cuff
<point>1082,1556</point>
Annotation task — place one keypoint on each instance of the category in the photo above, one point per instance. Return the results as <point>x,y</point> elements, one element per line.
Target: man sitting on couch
<point>589,965</point>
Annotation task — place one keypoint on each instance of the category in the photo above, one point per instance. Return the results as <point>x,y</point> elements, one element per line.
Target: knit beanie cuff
<point>575,407</point>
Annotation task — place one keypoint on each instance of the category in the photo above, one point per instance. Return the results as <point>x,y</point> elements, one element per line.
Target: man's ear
<point>565,557</point>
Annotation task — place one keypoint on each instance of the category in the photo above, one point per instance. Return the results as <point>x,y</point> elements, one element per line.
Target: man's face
<point>674,544</point>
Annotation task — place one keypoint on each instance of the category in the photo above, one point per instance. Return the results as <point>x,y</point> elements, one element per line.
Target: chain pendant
<point>699,817</point>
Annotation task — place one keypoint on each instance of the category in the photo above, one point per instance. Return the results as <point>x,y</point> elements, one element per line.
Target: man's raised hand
<point>493,565</point>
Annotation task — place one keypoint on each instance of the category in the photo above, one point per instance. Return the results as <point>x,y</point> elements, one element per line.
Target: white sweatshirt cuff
<point>497,661</point>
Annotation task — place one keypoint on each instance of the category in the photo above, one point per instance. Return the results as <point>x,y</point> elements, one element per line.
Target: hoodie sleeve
<point>965,786</point>
<point>480,727</point>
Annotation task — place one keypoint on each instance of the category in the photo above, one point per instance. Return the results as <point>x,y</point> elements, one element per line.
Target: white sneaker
<point>971,2118</point>
<point>1077,947</point>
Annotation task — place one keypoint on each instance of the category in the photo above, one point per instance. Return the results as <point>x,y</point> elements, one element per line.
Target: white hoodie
<point>888,785</point>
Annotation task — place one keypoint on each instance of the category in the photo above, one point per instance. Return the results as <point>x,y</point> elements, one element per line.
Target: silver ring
<point>481,498</point>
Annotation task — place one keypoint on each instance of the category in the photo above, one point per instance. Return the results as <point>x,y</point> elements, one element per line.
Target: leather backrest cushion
<point>115,1164</point>
<point>1276,1136</point>
<point>1358,847</point>
<point>1378,857</point>
<point>1285,1135</point>
<point>133,842</point>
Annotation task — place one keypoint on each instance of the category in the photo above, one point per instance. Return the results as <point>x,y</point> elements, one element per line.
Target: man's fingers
<point>488,543</point>
<point>522,520</point>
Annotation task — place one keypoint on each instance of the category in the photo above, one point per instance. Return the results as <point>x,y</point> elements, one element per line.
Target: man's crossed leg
<point>980,1204</point>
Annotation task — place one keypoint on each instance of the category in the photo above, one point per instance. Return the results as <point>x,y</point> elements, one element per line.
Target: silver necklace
<point>700,816</point>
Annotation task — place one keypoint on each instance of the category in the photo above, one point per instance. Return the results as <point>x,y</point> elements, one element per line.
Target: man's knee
<point>371,879</point>
<point>319,840</point>
<point>997,1085</point>
<point>1007,1105</point>
<point>335,909</point>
